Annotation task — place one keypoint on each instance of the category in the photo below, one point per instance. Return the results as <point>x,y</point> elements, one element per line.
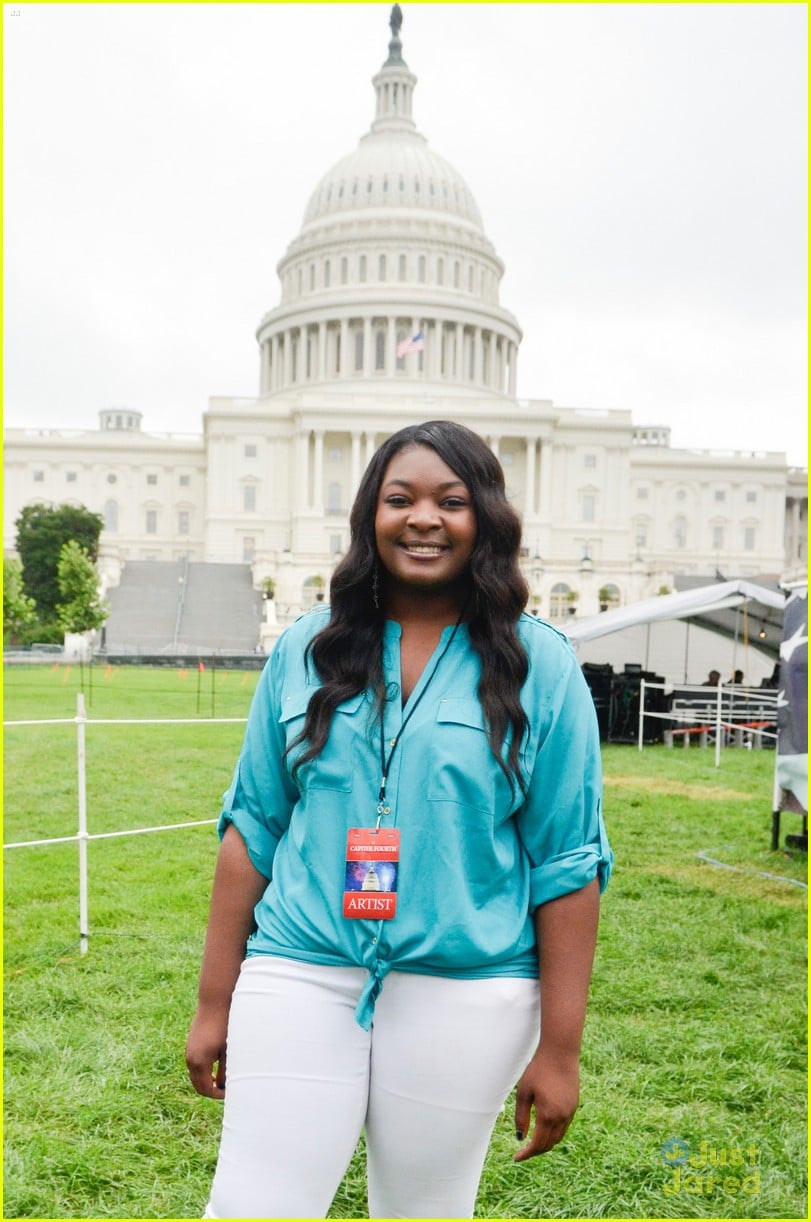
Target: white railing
<point>82,836</point>
<point>739,716</point>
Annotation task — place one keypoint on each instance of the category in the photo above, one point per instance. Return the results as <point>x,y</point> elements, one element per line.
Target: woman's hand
<point>205,1052</point>
<point>550,1085</point>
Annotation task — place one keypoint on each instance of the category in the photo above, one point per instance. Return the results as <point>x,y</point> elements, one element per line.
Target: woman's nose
<point>423,515</point>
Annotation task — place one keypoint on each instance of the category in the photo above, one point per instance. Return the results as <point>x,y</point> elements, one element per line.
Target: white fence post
<point>718,730</point>
<point>641,712</point>
<point>81,721</point>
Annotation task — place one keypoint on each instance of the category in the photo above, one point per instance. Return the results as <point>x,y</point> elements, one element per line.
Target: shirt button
<point>373,941</point>
<point>392,741</point>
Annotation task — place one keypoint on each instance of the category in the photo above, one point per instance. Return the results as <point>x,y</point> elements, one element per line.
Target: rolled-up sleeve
<point>260,799</point>
<point>561,823</point>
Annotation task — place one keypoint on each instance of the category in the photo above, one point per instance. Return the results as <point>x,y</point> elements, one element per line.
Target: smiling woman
<point>419,753</point>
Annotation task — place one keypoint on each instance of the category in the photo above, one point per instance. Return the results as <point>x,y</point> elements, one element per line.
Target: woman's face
<point>425,525</point>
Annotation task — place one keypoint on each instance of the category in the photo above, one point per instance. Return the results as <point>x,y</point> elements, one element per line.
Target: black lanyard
<point>385,763</point>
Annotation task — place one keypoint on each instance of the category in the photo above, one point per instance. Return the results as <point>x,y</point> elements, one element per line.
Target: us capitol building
<point>392,249</point>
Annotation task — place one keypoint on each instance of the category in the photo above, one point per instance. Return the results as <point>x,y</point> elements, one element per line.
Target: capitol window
<point>249,498</point>
<point>70,476</point>
<point>751,497</point>
<point>421,269</point>
<point>312,276</point>
<point>589,460</point>
<point>401,268</point>
<point>326,274</point>
<point>250,451</point>
<point>333,498</point>
<point>748,538</point>
<point>642,494</point>
<point>381,268</point>
<point>183,521</point>
<point>587,502</point>
<point>152,480</point>
<point>720,495</point>
<point>457,275</point>
<point>111,516</point>
<point>358,351</point>
<point>151,521</point>
<point>344,270</point>
<point>362,268</point>
<point>380,349</point>
<point>717,537</point>
<point>111,479</point>
<point>184,481</point>
<point>440,271</point>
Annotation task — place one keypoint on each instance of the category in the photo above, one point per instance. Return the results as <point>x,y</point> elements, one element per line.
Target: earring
<point>376,588</point>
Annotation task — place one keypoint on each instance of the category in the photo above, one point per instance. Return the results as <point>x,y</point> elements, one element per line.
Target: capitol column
<point>367,347</point>
<point>479,365</point>
<point>318,473</point>
<point>492,380</point>
<point>322,350</point>
<point>545,507</point>
<point>354,467</point>
<point>344,365</point>
<point>369,448</point>
<point>458,337</point>
<point>302,448</point>
<point>529,490</point>
<point>275,380</point>
<point>391,347</point>
<point>513,362</point>
<point>288,356</point>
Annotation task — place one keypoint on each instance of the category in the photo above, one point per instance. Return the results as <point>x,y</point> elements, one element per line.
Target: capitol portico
<point>392,249</point>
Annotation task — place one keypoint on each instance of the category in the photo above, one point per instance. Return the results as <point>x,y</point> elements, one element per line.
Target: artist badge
<point>370,887</point>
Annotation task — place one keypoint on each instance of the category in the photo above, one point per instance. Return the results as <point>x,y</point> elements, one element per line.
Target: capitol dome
<point>391,249</point>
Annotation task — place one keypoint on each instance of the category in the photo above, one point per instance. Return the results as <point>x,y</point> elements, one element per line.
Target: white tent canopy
<point>688,604</point>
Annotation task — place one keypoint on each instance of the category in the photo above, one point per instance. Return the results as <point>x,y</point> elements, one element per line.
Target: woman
<point>413,828</point>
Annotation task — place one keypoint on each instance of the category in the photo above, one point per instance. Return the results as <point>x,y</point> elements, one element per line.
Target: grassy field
<point>696,1027</point>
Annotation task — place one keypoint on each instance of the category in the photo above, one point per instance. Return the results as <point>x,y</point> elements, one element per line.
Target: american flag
<point>415,344</point>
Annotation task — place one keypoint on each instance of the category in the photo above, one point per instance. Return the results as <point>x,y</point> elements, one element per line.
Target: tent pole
<point>686,646</point>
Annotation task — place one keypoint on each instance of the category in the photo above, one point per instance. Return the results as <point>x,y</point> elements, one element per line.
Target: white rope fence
<point>744,715</point>
<point>82,836</point>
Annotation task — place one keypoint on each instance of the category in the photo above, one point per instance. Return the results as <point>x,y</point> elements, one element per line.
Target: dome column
<point>288,357</point>
<point>274,363</point>
<point>458,337</point>
<point>322,350</point>
<point>343,354</point>
<point>367,347</point>
<point>492,379</point>
<point>391,346</point>
<point>512,356</point>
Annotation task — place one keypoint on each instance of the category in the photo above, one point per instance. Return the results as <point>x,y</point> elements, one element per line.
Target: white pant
<point>428,1082</point>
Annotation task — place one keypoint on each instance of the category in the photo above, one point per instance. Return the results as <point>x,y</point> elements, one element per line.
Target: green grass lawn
<point>696,1027</point>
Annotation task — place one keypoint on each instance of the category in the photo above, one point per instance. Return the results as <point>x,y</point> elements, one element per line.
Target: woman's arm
<point>566,931</point>
<point>238,887</point>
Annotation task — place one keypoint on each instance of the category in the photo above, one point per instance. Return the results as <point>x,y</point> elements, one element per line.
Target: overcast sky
<point>640,169</point>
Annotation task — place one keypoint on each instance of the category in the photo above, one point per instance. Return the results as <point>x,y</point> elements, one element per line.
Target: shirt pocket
<point>463,768</point>
<point>333,769</point>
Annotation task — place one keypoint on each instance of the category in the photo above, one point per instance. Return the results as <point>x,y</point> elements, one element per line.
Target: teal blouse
<point>476,856</point>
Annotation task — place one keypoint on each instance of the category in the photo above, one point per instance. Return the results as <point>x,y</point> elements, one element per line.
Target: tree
<point>81,609</point>
<point>18,609</point>
<point>42,532</point>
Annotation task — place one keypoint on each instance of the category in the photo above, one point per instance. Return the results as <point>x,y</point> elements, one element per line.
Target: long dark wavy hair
<point>347,654</point>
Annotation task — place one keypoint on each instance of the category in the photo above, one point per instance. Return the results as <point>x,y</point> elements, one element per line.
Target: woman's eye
<point>397,501</point>
<point>455,502</point>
